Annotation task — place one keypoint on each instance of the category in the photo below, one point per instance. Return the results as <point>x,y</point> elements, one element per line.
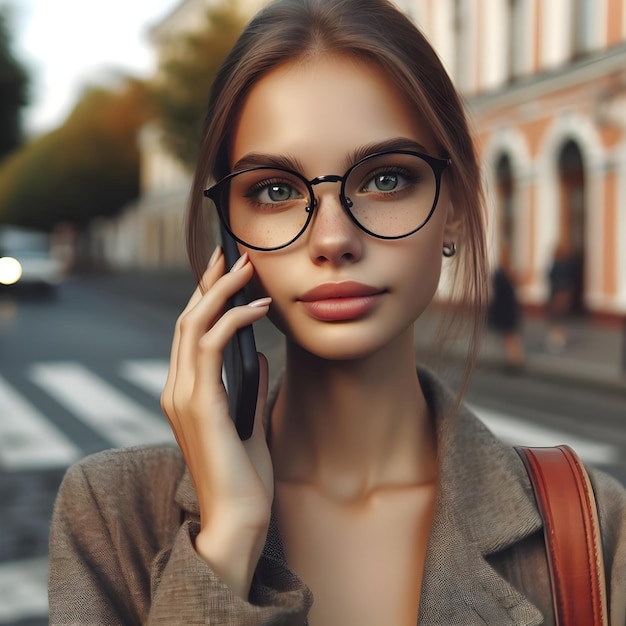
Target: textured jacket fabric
<point>121,542</point>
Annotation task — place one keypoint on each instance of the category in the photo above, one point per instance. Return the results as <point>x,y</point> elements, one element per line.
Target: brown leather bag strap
<point>567,505</point>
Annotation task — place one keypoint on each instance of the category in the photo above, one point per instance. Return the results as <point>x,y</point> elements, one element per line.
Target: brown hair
<point>377,32</point>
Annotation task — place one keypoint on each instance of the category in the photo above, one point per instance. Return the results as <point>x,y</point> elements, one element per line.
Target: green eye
<point>279,193</point>
<point>386,182</point>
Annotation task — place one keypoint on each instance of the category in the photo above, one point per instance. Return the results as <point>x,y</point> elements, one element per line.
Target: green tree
<point>13,89</point>
<point>88,167</point>
<point>182,87</point>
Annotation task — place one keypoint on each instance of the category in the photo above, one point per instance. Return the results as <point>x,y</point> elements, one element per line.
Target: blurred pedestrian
<point>505,315</point>
<point>562,275</point>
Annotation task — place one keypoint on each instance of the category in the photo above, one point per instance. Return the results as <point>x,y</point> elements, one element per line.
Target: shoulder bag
<point>567,506</point>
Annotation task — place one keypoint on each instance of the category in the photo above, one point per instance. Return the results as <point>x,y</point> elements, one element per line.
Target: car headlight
<point>10,270</point>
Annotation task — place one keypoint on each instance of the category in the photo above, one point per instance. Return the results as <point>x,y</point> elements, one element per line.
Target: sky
<point>66,44</point>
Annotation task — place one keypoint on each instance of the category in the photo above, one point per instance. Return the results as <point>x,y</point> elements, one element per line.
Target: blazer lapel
<point>482,508</point>
<point>460,587</point>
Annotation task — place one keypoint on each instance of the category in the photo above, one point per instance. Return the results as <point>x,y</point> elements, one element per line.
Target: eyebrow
<point>388,145</point>
<point>260,159</point>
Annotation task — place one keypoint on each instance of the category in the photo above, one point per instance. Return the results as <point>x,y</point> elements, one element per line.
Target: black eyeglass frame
<point>436,164</point>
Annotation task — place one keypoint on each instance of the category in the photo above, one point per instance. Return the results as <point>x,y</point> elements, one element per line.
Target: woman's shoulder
<point>112,476</point>
<point>118,462</point>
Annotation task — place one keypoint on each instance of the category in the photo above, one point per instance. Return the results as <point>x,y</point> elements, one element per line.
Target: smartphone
<point>240,370</point>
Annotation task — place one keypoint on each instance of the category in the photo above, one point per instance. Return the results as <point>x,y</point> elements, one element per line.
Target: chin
<point>346,342</point>
<point>336,352</point>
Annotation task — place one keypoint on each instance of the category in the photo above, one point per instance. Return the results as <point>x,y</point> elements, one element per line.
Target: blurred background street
<point>82,371</point>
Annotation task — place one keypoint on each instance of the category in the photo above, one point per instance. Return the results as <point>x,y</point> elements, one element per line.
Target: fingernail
<point>215,256</point>
<point>241,261</point>
<point>261,302</point>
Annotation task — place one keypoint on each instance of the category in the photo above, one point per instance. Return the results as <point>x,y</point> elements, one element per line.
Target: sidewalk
<point>594,354</point>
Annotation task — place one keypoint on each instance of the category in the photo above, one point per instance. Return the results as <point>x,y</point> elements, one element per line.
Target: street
<point>83,372</point>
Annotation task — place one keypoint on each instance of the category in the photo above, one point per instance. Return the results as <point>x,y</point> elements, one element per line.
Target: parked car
<point>27,262</point>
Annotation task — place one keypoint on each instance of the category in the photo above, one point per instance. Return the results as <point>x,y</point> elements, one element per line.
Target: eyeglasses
<point>389,195</point>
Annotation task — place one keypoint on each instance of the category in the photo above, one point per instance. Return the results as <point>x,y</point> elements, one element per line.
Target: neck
<point>351,427</point>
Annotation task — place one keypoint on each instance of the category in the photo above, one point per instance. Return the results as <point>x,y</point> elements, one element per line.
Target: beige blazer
<point>121,542</point>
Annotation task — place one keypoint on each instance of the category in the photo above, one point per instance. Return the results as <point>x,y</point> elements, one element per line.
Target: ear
<point>453,227</point>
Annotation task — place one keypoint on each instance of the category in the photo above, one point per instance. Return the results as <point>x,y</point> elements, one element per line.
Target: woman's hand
<point>233,479</point>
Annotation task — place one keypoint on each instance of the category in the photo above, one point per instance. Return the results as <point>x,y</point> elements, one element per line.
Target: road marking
<point>519,432</point>
<point>28,440</point>
<point>149,375</point>
<point>110,413</point>
<point>23,590</point>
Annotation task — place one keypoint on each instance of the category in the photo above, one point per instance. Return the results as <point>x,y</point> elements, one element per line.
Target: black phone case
<point>241,363</point>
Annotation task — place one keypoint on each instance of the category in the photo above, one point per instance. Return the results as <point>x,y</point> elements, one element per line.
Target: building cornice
<point>581,71</point>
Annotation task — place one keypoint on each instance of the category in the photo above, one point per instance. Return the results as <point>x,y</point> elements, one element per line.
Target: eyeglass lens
<point>389,195</point>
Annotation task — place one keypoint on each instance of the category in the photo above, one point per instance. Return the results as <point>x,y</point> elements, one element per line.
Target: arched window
<point>571,233</point>
<point>572,179</point>
<point>505,199</point>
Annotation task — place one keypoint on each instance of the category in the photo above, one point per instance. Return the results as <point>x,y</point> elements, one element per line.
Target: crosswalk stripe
<point>101,406</point>
<point>149,375</point>
<point>28,440</point>
<point>519,432</point>
<point>23,590</point>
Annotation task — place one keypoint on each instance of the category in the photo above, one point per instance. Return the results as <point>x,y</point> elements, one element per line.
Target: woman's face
<point>337,291</point>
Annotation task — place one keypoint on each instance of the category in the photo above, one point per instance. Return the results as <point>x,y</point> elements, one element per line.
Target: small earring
<point>449,250</point>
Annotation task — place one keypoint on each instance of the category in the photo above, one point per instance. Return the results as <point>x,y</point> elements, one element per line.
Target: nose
<point>333,237</point>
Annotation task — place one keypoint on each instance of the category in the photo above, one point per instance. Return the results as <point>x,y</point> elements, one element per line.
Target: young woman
<point>337,152</point>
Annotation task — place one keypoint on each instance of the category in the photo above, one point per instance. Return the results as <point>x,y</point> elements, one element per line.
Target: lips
<point>346,289</point>
<point>336,302</point>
